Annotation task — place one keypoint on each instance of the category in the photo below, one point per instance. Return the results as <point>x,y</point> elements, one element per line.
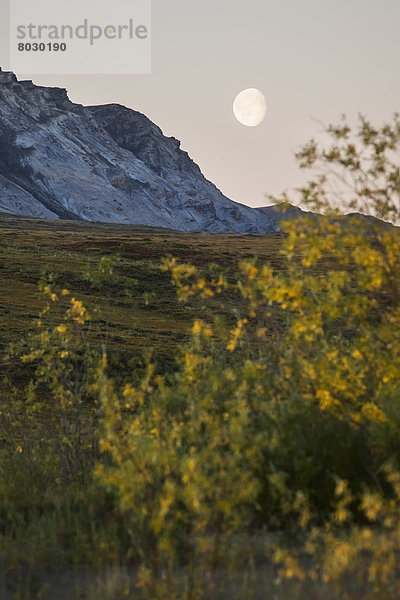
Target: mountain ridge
<point>105,163</point>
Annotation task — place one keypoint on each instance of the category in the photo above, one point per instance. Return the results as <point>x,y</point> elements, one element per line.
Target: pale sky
<point>313,59</point>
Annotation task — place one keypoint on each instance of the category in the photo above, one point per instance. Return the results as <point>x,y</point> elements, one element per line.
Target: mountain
<point>108,163</point>
<point>286,211</point>
<point>279,212</point>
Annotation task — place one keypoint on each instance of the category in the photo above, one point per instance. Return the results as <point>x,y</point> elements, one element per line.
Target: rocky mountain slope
<point>104,163</point>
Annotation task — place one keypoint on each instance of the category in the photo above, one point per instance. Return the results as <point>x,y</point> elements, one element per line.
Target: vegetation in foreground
<point>274,440</point>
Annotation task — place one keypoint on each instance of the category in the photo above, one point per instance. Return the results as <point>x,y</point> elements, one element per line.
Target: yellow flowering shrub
<point>282,416</point>
<point>64,363</point>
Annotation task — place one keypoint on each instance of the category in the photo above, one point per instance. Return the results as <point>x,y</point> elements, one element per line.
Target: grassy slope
<point>68,248</point>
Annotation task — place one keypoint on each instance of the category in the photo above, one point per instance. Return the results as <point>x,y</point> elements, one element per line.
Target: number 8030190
<point>42,47</point>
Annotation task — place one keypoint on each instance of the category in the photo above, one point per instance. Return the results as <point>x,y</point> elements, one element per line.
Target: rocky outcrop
<point>104,163</point>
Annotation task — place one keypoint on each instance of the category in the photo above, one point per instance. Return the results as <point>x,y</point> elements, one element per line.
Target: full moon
<point>250,107</point>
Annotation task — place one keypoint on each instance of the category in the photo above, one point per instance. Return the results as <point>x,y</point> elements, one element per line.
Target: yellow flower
<point>341,487</point>
<point>198,324</point>
<point>372,505</point>
<point>129,390</point>
<point>191,465</point>
<point>78,311</point>
<point>62,328</point>
<point>251,271</point>
<point>200,327</point>
<point>325,399</point>
<point>342,514</point>
<point>373,413</point>
<point>236,335</point>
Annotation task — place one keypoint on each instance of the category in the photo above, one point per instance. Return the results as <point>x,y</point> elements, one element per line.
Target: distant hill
<point>285,211</point>
<point>282,211</point>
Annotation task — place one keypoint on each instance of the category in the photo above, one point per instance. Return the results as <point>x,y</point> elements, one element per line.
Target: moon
<point>250,107</point>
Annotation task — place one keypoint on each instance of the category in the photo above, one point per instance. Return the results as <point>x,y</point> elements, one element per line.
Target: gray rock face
<point>104,163</point>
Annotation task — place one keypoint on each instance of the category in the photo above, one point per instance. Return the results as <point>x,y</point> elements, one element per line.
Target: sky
<point>313,60</point>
